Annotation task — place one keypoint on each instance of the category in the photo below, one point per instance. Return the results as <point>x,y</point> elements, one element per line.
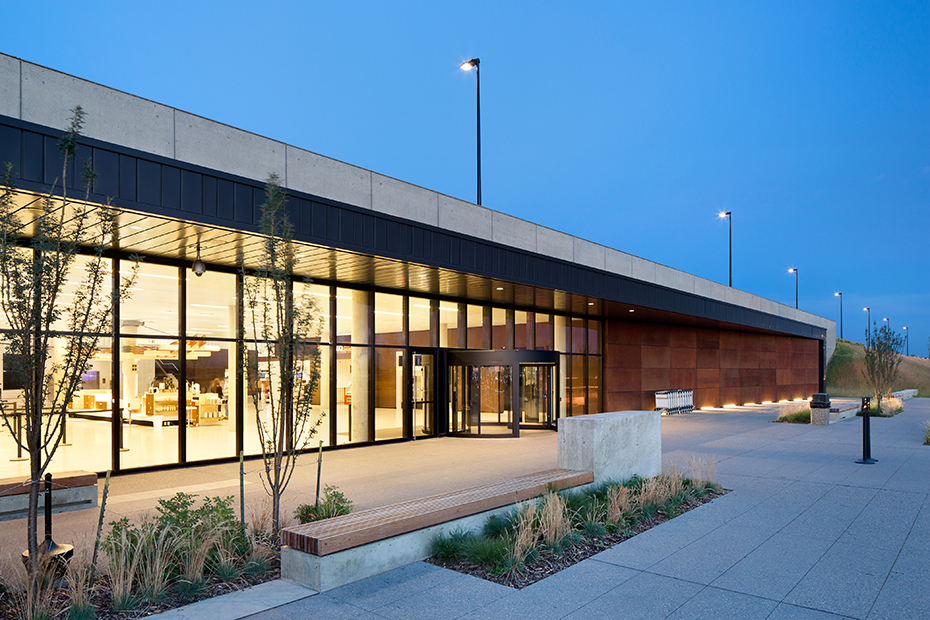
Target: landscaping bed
<point>549,563</point>
<point>561,529</point>
<point>102,600</point>
<point>184,554</point>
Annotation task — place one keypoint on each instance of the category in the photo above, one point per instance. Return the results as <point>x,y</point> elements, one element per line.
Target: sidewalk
<point>805,533</point>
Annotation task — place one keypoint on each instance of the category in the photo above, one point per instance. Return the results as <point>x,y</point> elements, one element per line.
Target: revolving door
<point>484,386</point>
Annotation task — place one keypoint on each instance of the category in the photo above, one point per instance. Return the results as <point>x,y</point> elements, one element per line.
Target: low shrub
<point>521,548</point>
<point>797,417</point>
<point>451,548</point>
<point>508,543</point>
<point>333,504</point>
<point>499,526</point>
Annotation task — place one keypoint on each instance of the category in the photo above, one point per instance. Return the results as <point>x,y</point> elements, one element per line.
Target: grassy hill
<point>846,372</point>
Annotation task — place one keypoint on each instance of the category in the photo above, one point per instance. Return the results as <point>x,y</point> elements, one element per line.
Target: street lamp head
<point>468,64</point>
<point>866,309</point>
<point>723,214</point>
<point>837,294</point>
<point>792,270</point>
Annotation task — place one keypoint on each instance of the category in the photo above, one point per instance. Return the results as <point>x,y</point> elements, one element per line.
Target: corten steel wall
<point>722,367</point>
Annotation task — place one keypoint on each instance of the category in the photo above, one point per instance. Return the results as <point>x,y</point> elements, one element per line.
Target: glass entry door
<point>423,393</point>
<point>480,400</point>
<point>536,390</point>
<point>494,393</point>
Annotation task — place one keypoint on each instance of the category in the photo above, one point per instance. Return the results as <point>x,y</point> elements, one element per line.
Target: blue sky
<point>631,124</point>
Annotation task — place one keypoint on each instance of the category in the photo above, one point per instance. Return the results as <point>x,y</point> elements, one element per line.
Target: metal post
<point>241,487</point>
<point>730,226</point>
<point>19,434</point>
<point>48,508</point>
<point>866,435</point>
<point>319,470</point>
<point>478,100</point>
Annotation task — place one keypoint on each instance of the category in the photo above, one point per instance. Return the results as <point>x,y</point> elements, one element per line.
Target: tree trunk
<point>32,535</point>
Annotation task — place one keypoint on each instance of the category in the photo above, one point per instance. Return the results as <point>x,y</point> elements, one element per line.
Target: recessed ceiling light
<point>136,227</point>
<point>500,288</point>
<point>632,310</point>
<point>590,303</point>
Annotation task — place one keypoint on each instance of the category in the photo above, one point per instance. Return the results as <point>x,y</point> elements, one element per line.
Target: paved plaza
<point>805,533</point>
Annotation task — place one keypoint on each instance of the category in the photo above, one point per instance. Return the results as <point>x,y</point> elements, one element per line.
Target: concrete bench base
<point>323,573</point>
<point>79,492</point>
<point>327,554</point>
<point>822,416</point>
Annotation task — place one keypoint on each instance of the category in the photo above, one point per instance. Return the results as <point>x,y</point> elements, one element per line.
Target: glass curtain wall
<point>170,374</point>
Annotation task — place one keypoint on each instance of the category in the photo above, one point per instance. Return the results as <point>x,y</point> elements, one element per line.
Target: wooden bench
<point>71,490</point>
<point>326,554</point>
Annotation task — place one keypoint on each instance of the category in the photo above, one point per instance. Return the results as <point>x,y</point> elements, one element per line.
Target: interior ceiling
<point>170,238</point>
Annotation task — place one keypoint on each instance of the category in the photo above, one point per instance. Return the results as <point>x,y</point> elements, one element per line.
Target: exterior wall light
<point>198,267</point>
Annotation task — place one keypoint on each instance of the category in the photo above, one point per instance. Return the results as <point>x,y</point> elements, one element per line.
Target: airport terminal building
<point>440,317</point>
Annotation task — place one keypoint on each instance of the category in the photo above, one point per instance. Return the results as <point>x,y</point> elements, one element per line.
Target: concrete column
<point>508,330</point>
<point>461,332</point>
<point>361,330</point>
<point>530,331</point>
<point>437,335</point>
<point>230,392</point>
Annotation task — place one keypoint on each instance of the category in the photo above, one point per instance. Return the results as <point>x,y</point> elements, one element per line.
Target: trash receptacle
<point>820,409</point>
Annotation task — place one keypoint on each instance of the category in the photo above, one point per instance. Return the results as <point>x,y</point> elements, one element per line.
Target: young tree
<point>49,339</point>
<point>882,357</point>
<point>283,358</point>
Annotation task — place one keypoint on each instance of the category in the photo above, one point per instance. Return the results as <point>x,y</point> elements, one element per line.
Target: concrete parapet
<point>614,446</point>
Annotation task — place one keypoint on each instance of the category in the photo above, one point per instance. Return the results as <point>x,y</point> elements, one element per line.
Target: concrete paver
<point>804,533</point>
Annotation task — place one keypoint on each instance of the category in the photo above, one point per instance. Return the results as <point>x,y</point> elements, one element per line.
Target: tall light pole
<point>467,67</point>
<point>729,216</point>
<point>868,326</point>
<point>907,348</point>
<point>840,295</point>
<point>795,272</point>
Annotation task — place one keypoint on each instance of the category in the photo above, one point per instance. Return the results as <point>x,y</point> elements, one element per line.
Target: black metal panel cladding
<point>158,185</point>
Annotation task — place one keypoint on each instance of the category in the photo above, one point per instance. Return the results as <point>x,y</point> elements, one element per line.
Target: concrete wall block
<point>328,178</point>
<point>9,86</point>
<point>618,262</point>
<point>674,279</point>
<point>49,96</point>
<point>512,231</point>
<point>464,217</point>
<point>404,200</point>
<point>554,243</point>
<point>613,446</point>
<point>710,289</point>
<point>221,147</point>
<point>587,253</point>
<point>643,269</point>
